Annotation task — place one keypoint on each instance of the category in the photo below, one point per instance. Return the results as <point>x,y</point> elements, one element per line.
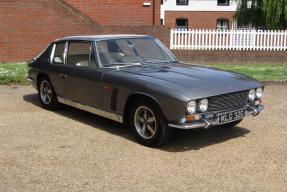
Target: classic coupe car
<point>136,80</point>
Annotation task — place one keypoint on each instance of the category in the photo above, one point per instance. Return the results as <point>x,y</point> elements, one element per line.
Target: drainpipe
<point>153,12</point>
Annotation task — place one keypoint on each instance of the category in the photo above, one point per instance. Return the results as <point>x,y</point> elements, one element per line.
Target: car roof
<point>101,37</point>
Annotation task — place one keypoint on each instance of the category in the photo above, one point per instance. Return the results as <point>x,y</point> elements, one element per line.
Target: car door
<point>82,75</point>
<point>56,67</point>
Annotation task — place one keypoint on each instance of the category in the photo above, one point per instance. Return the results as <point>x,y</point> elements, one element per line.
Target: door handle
<point>63,76</point>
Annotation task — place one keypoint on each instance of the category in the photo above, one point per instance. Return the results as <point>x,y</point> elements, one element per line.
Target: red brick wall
<point>26,27</point>
<point>208,56</point>
<point>198,19</point>
<point>118,12</point>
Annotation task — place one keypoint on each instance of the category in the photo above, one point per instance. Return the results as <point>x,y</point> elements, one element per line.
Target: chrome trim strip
<point>66,52</point>
<point>189,126</point>
<point>90,109</point>
<point>203,124</point>
<point>52,53</point>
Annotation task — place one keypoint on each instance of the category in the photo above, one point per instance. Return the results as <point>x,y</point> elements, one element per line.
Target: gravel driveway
<point>71,150</point>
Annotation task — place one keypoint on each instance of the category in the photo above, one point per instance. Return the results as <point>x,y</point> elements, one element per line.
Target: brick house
<point>26,27</point>
<point>207,14</point>
<point>199,14</point>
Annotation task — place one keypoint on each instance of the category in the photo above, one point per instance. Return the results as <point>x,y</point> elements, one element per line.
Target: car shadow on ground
<point>196,139</point>
<point>182,140</point>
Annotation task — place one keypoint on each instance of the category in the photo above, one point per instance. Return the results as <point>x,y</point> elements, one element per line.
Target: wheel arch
<point>136,97</point>
<point>39,77</point>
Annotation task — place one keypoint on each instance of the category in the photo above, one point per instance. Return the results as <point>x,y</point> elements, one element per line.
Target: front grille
<point>228,101</point>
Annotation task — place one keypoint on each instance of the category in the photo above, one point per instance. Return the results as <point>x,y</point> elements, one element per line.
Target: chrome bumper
<point>205,123</point>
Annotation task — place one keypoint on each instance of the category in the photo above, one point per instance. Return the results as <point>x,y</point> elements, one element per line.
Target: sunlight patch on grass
<point>262,72</point>
<point>12,73</point>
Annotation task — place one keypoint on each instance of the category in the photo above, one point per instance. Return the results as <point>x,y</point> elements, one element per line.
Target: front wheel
<point>149,124</point>
<point>47,95</point>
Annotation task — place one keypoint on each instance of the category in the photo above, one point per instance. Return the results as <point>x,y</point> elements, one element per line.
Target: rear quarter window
<point>59,53</point>
<point>45,54</point>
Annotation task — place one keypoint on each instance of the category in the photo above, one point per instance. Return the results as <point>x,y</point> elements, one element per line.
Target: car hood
<point>195,81</point>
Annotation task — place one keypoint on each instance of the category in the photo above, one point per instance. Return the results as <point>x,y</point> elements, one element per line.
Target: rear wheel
<point>149,124</point>
<point>47,95</point>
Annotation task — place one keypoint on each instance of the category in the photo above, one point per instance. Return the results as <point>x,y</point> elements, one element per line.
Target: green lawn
<point>262,72</point>
<point>13,73</point>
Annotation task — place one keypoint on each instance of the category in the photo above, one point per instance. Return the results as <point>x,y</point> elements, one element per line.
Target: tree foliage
<point>270,14</point>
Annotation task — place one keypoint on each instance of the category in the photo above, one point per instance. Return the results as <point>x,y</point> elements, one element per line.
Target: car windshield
<point>132,51</point>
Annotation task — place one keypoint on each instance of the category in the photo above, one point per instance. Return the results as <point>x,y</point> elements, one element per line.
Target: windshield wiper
<point>122,64</point>
<point>154,61</point>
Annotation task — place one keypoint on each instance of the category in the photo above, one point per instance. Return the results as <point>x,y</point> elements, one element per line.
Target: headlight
<point>191,107</point>
<point>252,95</point>
<point>203,105</point>
<point>259,93</point>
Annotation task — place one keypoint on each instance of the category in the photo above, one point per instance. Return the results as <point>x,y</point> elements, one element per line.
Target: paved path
<point>71,150</point>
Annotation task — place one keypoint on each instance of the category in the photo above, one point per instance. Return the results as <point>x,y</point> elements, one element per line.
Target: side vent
<point>114,99</point>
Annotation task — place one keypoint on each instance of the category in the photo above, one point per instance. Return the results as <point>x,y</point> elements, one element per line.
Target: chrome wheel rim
<point>46,92</point>
<point>145,122</point>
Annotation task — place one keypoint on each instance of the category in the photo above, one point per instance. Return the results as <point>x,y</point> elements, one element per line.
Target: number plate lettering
<point>231,116</point>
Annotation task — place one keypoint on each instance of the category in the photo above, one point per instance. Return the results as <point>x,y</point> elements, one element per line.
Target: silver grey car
<point>136,80</point>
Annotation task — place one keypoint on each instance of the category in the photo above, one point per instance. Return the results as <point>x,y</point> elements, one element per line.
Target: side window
<point>181,23</point>
<point>181,2</point>
<point>222,24</point>
<point>46,54</point>
<point>59,53</point>
<point>79,54</point>
<point>223,2</point>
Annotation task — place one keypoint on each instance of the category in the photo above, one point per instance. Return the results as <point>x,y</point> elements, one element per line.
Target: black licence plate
<point>231,116</point>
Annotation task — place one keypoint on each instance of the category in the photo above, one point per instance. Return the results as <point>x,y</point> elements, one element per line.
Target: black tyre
<point>47,95</point>
<point>232,124</point>
<point>149,124</point>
